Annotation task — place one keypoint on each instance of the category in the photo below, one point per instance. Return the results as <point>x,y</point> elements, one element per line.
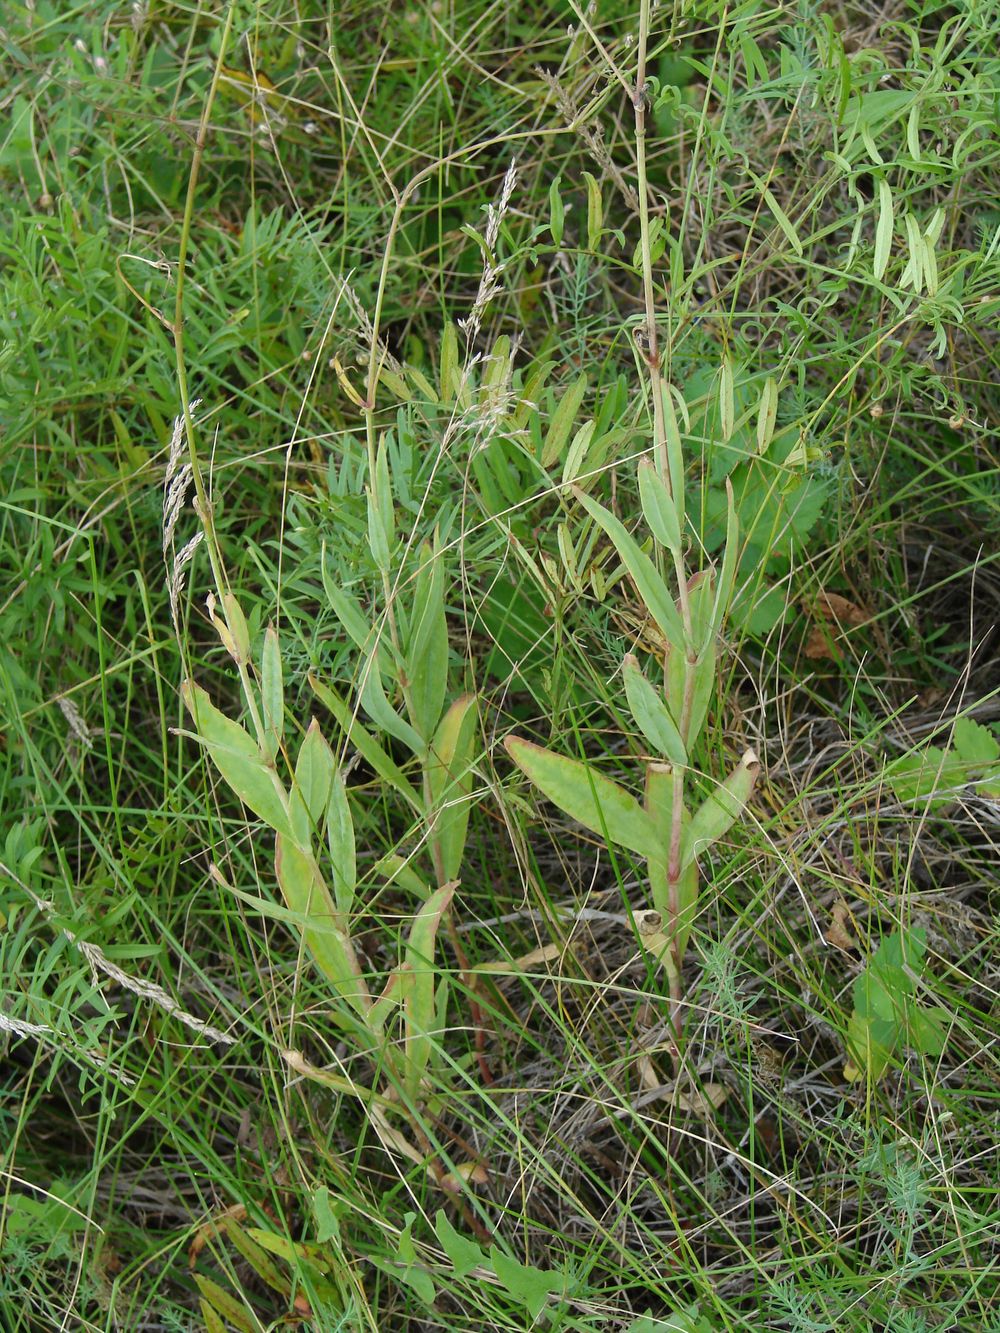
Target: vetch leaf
<point>588,797</point>
<point>238,759</point>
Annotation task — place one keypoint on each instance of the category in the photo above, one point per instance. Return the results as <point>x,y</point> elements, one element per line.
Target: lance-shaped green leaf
<point>319,802</point>
<point>373,700</point>
<point>272,693</point>
<point>720,810</point>
<point>562,422</point>
<point>346,609</point>
<point>366,744</point>
<point>651,714</point>
<point>305,893</point>
<point>588,797</point>
<point>427,649</point>
<point>595,212</point>
<point>650,586</point>
<point>701,666</point>
<point>420,1013</point>
<point>727,574</point>
<point>658,507</point>
<point>449,777</point>
<point>675,448</point>
<point>238,758</point>
<point>381,515</point>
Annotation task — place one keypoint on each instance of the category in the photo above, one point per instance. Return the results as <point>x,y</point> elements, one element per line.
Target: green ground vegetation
<point>499,749</point>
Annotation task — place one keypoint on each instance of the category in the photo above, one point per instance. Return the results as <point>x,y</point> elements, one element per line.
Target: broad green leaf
<point>419,1007</point>
<point>577,452</point>
<point>465,1255</point>
<point>327,1221</point>
<point>427,649</point>
<point>315,769</point>
<point>225,1304</point>
<point>366,744</point>
<point>883,228</point>
<point>450,777</point>
<point>238,759</point>
<point>658,507</point>
<point>926,1029</point>
<point>588,797</point>
<point>272,692</point>
<point>595,212</point>
<point>529,1286</point>
<point>650,586</point>
<point>305,893</point>
<point>976,744</point>
<point>562,422</point>
<point>870,1044</point>
<point>399,870</point>
<point>721,808</point>
<point>651,714</point>
<point>258,1258</point>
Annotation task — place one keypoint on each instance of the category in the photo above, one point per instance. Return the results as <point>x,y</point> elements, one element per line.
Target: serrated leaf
<point>649,585</point>
<point>238,759</point>
<point>588,797</point>
<point>465,1255</point>
<point>651,714</point>
<point>721,808</point>
<point>976,744</point>
<point>658,507</point>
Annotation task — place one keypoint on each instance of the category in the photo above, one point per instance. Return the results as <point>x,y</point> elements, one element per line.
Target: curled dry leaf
<point>831,614</point>
<point>838,933</point>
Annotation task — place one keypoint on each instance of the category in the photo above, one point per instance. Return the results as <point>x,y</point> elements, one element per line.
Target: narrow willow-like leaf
<point>305,893</point>
<point>427,649</point>
<point>780,216</point>
<point>346,609</point>
<point>419,1007</point>
<point>767,413</point>
<point>883,228</point>
<point>238,758</point>
<point>650,586</point>
<point>449,779</point>
<point>577,452</point>
<point>449,362</point>
<point>658,507</point>
<point>651,714</point>
<point>727,574</point>
<point>562,422</point>
<point>727,407</point>
<point>720,810</point>
<point>675,449</point>
<point>366,744</point>
<point>272,692</point>
<point>595,212</point>
<point>373,700</point>
<point>588,797</point>
<point>340,840</point>
<point>557,212</point>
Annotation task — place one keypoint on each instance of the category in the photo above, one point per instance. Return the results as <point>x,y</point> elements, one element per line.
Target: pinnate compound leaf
<point>238,758</point>
<point>588,797</point>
